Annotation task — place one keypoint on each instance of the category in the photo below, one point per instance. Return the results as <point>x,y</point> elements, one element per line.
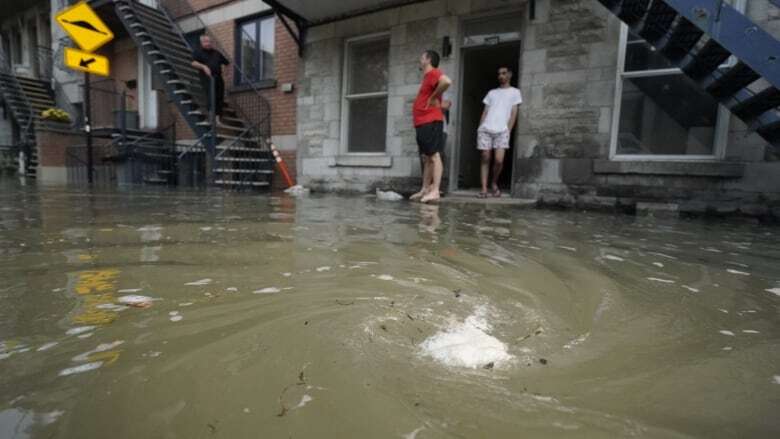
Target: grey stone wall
<point>568,78</point>
<point>569,75</point>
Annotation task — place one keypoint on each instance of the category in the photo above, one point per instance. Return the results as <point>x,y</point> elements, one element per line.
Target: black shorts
<point>430,138</point>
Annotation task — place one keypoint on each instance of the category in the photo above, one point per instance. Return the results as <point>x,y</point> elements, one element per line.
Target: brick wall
<point>52,145</point>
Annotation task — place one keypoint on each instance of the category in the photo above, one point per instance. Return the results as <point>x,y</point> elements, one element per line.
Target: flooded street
<point>190,315</point>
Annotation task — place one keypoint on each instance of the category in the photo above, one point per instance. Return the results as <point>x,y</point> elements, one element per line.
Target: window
<point>16,46</point>
<point>255,50</point>
<point>364,105</point>
<point>659,112</point>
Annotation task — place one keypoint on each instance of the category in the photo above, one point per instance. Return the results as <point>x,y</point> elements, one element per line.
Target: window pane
<point>368,66</point>
<point>642,56</point>
<point>666,114</point>
<point>367,124</point>
<point>267,48</point>
<point>250,59</point>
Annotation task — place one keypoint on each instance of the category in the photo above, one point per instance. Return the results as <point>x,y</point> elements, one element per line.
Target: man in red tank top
<point>429,125</point>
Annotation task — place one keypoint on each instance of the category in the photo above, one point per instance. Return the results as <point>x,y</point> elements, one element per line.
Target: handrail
<point>5,67</point>
<point>185,9</point>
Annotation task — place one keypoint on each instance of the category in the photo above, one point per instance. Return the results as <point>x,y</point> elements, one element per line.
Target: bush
<point>55,115</point>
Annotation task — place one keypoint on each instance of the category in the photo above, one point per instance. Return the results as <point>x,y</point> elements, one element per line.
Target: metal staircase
<point>699,36</point>
<point>239,152</point>
<point>25,98</point>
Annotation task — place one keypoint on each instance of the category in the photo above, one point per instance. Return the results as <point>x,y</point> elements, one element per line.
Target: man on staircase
<point>209,62</point>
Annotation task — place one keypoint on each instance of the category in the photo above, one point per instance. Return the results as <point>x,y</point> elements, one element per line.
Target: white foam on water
<point>663,255</point>
<point>79,330</point>
<point>614,258</point>
<point>176,318</point>
<point>776,379</point>
<point>51,417</point>
<point>691,289</point>
<point>712,250</point>
<point>129,290</point>
<point>724,311</point>
<point>269,290</point>
<point>205,229</point>
<point>47,346</point>
<point>304,400</point>
<point>321,269</point>
<point>413,434</point>
<point>663,281</point>
<point>288,274</point>
<point>727,348</point>
<point>750,331</point>
<point>199,282</point>
<point>86,367</point>
<point>385,277</point>
<point>571,249</point>
<point>87,335</point>
<point>173,313</point>
<point>775,291</point>
<point>741,273</point>
<point>467,344</point>
<point>231,289</point>
<point>186,304</point>
<point>726,332</point>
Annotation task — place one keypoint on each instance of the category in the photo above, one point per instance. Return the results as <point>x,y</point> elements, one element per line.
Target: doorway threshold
<point>470,196</point>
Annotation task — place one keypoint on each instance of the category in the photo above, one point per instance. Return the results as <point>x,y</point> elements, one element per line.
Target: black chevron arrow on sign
<point>86,62</point>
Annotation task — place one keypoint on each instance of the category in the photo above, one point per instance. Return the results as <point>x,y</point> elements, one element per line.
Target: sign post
<point>88,125</point>
<point>86,29</point>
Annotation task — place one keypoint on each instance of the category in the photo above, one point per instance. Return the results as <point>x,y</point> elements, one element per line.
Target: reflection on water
<point>177,314</point>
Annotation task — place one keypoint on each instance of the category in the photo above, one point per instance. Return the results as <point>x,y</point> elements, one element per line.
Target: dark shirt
<point>212,59</point>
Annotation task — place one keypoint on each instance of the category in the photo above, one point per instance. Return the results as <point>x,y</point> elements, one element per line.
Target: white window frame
<point>721,126</point>
<point>347,98</point>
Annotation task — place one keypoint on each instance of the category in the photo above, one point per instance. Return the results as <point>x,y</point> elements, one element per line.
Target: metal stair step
<point>658,21</point>
<point>757,104</point>
<point>727,83</point>
<point>243,171</point>
<point>680,41</point>
<point>706,60</point>
<point>243,159</point>
<point>242,183</point>
<point>631,11</point>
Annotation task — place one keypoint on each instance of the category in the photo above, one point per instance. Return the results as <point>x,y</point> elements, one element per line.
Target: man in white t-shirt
<point>498,120</point>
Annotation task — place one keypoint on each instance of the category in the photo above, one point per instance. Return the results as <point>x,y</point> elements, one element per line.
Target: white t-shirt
<point>500,102</point>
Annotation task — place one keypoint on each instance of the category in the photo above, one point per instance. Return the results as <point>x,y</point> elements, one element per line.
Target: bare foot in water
<point>417,196</point>
<point>432,196</point>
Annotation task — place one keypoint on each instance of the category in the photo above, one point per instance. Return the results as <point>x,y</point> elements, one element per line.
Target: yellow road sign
<point>84,27</point>
<point>86,62</point>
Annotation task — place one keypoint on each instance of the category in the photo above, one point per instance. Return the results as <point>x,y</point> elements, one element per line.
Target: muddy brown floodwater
<point>145,314</point>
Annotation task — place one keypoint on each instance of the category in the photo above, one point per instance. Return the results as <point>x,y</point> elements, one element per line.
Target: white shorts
<point>487,140</point>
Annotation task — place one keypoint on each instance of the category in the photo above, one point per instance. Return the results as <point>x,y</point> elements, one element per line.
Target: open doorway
<point>480,75</point>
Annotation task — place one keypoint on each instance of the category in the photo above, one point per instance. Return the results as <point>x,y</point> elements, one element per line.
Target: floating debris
<point>297,191</point>
<point>321,269</point>
<point>79,330</point>
<point>663,281</point>
<point>198,283</point>
<point>775,291</point>
<point>86,367</point>
<point>727,332</point>
<point>136,301</point>
<point>388,196</point>
<point>269,290</point>
<point>385,277</point>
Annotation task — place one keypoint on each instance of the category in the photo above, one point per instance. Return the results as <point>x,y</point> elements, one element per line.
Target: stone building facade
<point>570,142</point>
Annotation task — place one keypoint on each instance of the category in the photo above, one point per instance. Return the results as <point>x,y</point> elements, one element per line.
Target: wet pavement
<point>146,314</point>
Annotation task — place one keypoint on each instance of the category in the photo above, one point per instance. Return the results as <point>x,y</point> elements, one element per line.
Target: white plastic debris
<point>297,191</point>
<point>388,195</point>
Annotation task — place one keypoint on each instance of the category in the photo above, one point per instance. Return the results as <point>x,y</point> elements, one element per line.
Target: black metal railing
<point>258,119</point>
<point>11,87</point>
